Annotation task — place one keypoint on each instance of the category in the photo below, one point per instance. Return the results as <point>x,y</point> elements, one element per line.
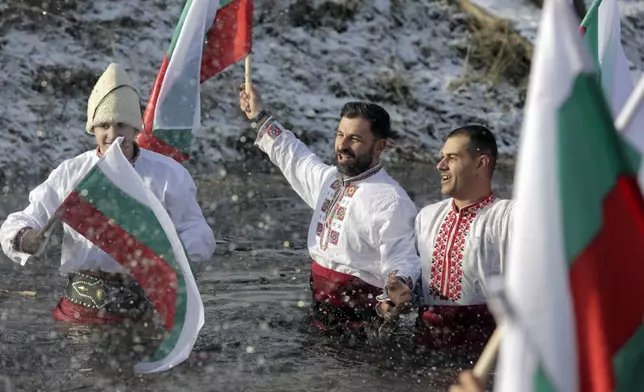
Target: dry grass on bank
<point>494,51</point>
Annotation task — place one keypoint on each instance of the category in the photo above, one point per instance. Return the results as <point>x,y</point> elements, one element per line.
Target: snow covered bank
<point>418,58</point>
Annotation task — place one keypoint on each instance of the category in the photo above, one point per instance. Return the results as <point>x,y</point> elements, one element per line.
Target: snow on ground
<point>309,57</point>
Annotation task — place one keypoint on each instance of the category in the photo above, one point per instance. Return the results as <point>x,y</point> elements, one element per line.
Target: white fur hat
<point>114,99</point>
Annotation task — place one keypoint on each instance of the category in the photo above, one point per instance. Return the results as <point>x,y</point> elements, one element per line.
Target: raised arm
<point>304,171</point>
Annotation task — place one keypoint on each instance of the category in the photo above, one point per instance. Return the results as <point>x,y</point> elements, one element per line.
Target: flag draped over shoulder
<point>114,209</point>
<point>574,276</point>
<point>211,35</point>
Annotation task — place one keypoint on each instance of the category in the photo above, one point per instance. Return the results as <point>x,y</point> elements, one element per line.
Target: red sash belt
<point>68,312</point>
<point>341,299</point>
<point>95,297</point>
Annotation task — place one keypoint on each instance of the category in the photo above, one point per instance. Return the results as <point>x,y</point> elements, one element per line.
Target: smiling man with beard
<point>99,290</point>
<point>361,236</point>
<point>462,241</point>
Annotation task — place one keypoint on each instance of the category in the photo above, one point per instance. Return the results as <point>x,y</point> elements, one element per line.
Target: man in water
<point>361,236</point>
<point>99,290</point>
<point>462,241</point>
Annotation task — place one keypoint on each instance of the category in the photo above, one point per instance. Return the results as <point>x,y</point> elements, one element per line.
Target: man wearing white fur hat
<point>113,111</point>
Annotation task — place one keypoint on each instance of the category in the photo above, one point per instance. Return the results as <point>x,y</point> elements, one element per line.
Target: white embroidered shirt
<point>362,226</point>
<point>460,249</point>
<point>167,179</point>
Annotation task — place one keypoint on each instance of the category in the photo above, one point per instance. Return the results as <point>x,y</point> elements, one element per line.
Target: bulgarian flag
<point>211,35</point>
<point>574,279</point>
<point>602,32</point>
<point>114,209</point>
<point>601,28</point>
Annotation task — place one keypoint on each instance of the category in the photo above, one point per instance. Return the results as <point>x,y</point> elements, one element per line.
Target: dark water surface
<point>256,297</point>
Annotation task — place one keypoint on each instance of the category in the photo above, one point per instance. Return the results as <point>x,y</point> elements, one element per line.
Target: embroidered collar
<point>487,200</point>
<point>135,156</point>
<point>362,176</point>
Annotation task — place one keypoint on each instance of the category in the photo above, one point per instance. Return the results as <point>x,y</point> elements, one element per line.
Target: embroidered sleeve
<point>304,170</point>
<point>195,233</point>
<point>398,241</point>
<point>43,202</point>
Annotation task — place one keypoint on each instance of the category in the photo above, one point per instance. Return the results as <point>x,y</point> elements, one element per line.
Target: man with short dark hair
<point>462,242</point>
<point>361,237</point>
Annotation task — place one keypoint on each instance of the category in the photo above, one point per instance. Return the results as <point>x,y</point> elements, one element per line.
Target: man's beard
<point>359,165</point>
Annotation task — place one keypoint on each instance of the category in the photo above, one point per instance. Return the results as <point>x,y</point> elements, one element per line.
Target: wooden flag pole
<point>42,232</point>
<point>630,107</point>
<point>486,360</point>
<point>23,293</point>
<point>247,74</point>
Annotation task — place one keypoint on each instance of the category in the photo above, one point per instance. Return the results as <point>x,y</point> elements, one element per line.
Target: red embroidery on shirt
<point>447,257</point>
<point>332,207</point>
<point>271,129</point>
<point>339,214</point>
<point>274,131</point>
<point>351,190</point>
<point>334,236</point>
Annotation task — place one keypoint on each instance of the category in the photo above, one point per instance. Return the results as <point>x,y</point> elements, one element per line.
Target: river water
<point>256,297</point>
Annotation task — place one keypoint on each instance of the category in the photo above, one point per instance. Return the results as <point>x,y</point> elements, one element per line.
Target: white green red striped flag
<point>114,209</point>
<point>601,28</point>
<point>211,36</point>
<point>574,275</point>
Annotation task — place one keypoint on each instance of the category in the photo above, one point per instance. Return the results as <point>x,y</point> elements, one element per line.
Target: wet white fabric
<point>170,182</point>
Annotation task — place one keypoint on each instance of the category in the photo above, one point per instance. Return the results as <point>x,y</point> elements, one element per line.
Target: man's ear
<point>484,161</point>
<point>381,144</point>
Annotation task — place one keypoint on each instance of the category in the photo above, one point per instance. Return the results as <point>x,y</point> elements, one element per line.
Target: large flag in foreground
<point>574,277</point>
<point>211,36</point>
<point>113,208</point>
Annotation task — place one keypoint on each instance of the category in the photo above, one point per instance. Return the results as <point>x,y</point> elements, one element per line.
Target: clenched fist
<point>30,242</point>
<point>250,102</point>
<point>399,301</point>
